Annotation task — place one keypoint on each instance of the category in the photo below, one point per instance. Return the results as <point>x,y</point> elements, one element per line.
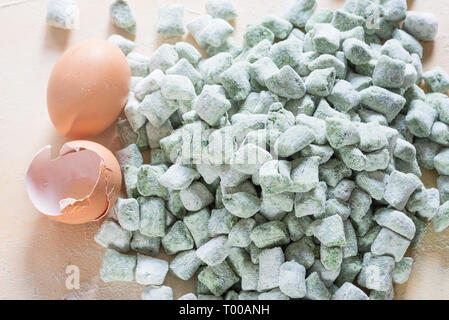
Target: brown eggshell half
<point>88,88</point>
<point>79,186</point>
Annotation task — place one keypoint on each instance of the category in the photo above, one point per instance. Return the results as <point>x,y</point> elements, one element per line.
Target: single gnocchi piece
<point>124,44</point>
<point>62,13</point>
<point>286,83</point>
<point>212,104</point>
<point>280,27</point>
<point>157,293</point>
<point>128,213</point>
<point>170,23</point>
<point>292,279</point>
<point>437,80</point>
<point>216,32</point>
<point>222,9</point>
<point>150,271</point>
<point>348,291</point>
<point>422,25</point>
<point>441,220</point>
<point>300,11</point>
<point>122,16</point>
<point>117,266</point>
<point>113,236</point>
<point>357,51</point>
<point>215,251</point>
<point>129,156</point>
<point>326,38</point>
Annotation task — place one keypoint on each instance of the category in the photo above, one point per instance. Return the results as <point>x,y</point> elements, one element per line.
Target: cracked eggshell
<point>78,186</point>
<point>88,88</point>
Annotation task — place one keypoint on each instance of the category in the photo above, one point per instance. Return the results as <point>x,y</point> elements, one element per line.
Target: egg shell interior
<point>78,186</point>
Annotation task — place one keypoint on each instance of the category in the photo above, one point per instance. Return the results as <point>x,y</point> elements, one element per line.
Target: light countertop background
<point>35,251</point>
